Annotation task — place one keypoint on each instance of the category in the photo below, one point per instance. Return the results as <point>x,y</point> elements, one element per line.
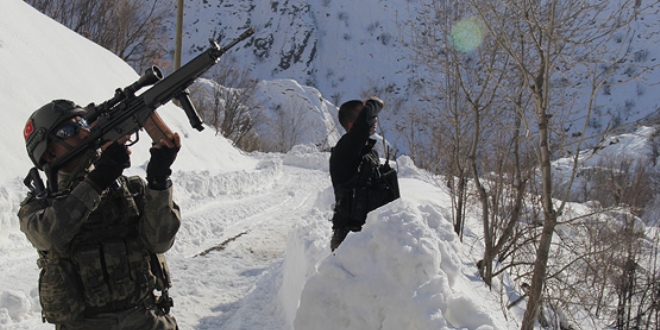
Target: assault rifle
<point>127,113</point>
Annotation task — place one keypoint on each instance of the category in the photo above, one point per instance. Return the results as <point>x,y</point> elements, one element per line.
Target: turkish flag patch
<point>29,128</point>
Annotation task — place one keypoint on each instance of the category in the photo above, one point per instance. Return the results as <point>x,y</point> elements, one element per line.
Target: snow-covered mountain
<point>339,47</point>
<point>347,48</point>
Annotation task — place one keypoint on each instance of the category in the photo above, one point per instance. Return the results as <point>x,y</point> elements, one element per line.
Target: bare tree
<point>287,128</point>
<point>439,139</point>
<point>618,181</point>
<point>132,29</point>
<point>516,91</point>
<point>227,104</point>
<point>549,35</point>
<point>617,257</point>
<point>481,95</point>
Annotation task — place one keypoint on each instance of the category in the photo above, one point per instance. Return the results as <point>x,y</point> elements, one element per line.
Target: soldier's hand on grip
<point>163,155</point>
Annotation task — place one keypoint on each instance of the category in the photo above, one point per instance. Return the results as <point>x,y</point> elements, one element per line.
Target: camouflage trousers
<point>142,317</point>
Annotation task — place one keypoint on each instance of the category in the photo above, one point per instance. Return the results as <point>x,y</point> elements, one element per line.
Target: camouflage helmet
<point>42,122</point>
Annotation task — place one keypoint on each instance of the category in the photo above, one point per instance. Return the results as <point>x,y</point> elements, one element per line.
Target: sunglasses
<point>71,129</point>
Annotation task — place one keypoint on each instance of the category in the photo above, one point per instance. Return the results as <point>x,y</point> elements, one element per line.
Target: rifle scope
<point>149,77</point>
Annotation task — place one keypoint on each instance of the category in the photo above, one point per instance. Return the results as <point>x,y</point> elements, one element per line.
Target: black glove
<point>372,107</point>
<point>158,169</point>
<point>375,104</point>
<point>114,159</point>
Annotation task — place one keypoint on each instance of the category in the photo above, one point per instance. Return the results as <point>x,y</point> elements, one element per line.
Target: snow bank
<point>402,271</point>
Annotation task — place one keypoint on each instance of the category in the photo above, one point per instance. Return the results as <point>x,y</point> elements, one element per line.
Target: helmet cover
<point>42,122</point>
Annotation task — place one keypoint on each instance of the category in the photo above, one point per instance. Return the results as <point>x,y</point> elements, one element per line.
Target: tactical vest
<point>107,267</point>
<point>373,186</point>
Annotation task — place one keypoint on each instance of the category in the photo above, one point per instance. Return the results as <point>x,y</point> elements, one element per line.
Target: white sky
<point>405,270</point>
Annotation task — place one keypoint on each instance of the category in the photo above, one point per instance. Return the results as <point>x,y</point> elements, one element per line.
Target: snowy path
<point>237,233</point>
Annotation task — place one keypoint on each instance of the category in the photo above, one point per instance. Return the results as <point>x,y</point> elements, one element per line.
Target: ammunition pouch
<point>60,291</point>
<point>115,273</point>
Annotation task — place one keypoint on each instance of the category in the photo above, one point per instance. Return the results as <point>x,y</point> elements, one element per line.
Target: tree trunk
<point>460,204</point>
<point>550,216</point>
<point>540,269</point>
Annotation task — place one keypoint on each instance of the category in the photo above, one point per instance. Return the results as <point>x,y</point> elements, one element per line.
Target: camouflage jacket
<point>52,223</point>
<point>100,252</point>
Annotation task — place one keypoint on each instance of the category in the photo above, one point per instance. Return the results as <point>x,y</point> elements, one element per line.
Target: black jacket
<point>347,155</point>
<point>357,177</point>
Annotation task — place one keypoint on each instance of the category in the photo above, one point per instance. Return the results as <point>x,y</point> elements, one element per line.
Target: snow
<point>253,250</point>
<point>347,48</point>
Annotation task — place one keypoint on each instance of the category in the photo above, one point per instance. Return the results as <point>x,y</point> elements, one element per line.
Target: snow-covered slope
<point>347,48</point>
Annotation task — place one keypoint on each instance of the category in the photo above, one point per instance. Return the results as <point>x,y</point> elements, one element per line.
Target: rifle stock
<point>126,113</point>
<point>157,129</point>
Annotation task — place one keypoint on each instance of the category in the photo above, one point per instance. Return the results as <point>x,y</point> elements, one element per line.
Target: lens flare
<point>467,35</point>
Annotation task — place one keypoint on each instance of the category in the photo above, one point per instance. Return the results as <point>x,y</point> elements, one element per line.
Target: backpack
<point>372,187</point>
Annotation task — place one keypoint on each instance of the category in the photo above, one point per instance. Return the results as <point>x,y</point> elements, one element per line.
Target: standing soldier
<point>101,236</point>
<point>361,184</point>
